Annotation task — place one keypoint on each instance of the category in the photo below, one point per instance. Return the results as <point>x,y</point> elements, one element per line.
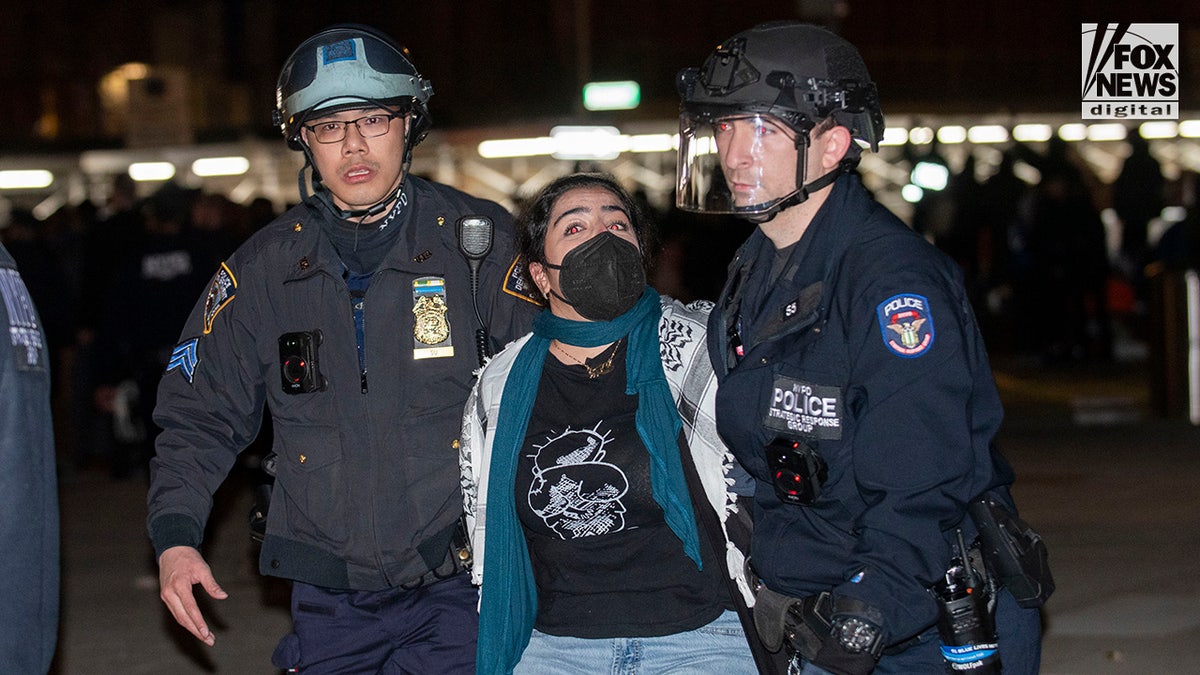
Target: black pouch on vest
<point>1016,554</point>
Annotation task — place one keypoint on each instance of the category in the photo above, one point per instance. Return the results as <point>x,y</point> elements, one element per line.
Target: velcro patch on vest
<point>906,324</point>
<point>516,285</point>
<point>803,409</point>
<point>220,294</point>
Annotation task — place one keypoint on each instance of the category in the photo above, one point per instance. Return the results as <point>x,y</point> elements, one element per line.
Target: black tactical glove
<point>853,643</point>
<point>833,657</point>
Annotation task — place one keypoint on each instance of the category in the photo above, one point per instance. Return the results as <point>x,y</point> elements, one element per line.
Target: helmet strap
<point>803,190</point>
<point>322,194</point>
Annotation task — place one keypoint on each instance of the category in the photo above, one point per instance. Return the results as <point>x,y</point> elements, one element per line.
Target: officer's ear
<point>834,143</point>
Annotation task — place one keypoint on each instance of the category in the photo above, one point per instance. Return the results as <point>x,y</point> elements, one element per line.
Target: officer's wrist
<point>174,529</point>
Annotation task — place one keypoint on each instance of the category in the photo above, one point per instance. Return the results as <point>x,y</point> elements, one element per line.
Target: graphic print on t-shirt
<point>574,491</point>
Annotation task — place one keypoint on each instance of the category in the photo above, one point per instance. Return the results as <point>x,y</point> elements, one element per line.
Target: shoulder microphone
<point>475,242</point>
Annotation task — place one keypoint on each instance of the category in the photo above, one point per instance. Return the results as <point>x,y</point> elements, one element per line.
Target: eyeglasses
<point>369,126</point>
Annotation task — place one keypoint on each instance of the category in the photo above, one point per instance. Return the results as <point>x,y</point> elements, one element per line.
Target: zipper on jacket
<point>358,300</point>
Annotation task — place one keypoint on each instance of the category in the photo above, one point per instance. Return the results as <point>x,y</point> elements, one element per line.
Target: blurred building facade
<point>63,64</point>
<point>92,88</point>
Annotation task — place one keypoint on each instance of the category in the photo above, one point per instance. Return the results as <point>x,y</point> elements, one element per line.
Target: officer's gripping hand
<point>180,568</point>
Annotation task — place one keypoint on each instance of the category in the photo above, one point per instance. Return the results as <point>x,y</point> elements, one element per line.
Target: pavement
<point>1112,488</point>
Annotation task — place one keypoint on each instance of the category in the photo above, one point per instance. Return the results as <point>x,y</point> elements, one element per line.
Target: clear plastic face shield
<point>742,164</point>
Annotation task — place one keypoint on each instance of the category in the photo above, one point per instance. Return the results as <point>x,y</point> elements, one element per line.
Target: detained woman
<point>599,498</point>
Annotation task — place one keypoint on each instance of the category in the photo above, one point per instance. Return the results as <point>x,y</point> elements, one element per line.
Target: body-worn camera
<point>797,471</point>
<point>298,365</point>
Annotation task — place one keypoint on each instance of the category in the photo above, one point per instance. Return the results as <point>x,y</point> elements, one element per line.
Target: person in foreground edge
<point>596,490</point>
<point>350,318</point>
<point>854,383</point>
<point>29,519</point>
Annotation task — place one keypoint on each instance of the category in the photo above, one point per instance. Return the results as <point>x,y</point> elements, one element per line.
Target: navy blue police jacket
<point>366,491</point>
<point>866,349</point>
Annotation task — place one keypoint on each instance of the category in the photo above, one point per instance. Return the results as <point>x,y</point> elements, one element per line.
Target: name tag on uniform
<point>803,409</point>
<point>431,326</point>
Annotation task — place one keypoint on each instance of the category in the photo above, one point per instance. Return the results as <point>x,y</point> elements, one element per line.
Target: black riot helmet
<point>786,75</point>
<point>348,66</point>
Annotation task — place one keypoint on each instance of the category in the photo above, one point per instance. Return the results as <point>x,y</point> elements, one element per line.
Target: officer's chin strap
<point>323,196</point>
<point>803,140</point>
<point>799,196</point>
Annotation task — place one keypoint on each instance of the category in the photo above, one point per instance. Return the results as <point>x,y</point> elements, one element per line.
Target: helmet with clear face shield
<point>751,108</point>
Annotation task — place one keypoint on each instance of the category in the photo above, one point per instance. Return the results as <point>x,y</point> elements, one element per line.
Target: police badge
<point>431,327</point>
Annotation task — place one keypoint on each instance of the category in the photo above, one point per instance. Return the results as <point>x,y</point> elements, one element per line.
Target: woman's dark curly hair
<point>534,220</point>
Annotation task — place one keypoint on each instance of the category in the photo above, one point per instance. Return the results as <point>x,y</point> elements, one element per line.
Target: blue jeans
<point>719,647</point>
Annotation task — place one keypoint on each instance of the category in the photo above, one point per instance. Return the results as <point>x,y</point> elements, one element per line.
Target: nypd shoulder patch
<point>220,294</point>
<point>906,324</point>
<point>516,285</point>
<point>184,358</point>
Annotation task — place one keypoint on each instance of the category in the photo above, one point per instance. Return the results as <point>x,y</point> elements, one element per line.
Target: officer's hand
<point>180,568</point>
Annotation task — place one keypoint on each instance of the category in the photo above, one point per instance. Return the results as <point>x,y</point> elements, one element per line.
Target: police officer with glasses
<point>351,318</point>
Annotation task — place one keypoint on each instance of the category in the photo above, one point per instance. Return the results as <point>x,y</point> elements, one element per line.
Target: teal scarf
<point>509,596</point>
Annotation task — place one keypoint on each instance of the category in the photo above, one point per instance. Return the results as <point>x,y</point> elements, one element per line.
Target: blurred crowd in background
<point>1062,269</point>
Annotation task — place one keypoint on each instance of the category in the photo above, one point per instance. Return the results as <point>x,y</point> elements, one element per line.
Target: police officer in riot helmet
<point>321,93</point>
<point>354,319</point>
<point>854,383</point>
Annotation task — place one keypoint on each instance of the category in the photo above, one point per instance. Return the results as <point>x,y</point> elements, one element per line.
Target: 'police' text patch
<point>806,410</point>
<point>906,324</point>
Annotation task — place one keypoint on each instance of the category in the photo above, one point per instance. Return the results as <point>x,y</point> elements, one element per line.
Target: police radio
<point>965,624</point>
<point>475,242</point>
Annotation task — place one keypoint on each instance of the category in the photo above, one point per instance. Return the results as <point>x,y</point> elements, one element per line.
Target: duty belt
<point>801,623</point>
<point>449,567</point>
<point>458,558</point>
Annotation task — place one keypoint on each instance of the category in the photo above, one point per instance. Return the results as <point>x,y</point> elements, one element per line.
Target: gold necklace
<point>594,371</point>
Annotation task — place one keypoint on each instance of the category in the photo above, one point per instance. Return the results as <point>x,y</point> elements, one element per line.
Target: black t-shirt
<point>605,561</point>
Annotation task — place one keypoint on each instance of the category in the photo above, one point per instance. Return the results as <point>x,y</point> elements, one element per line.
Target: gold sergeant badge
<point>431,326</point>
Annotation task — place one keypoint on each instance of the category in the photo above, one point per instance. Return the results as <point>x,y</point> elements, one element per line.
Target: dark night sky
<point>503,62</point>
